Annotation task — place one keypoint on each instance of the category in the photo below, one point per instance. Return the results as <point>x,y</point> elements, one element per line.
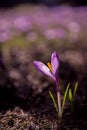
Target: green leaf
<point>71,98</point>
<point>70,95</point>
<point>75,89</point>
<point>65,96</point>
<point>54,101</point>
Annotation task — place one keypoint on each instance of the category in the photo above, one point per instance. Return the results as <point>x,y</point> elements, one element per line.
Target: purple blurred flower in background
<point>4,24</point>
<point>50,70</point>
<point>4,36</point>
<point>22,23</point>
<point>55,34</point>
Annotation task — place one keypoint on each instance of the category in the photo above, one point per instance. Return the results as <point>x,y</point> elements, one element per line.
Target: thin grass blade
<point>65,96</point>
<point>54,101</point>
<point>75,89</point>
<point>71,98</point>
<point>70,95</point>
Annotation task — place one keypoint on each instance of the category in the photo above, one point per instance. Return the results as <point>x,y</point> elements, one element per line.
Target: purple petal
<point>55,64</point>
<point>43,68</point>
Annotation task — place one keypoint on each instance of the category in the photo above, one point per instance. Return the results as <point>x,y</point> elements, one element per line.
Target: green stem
<point>59,101</point>
<point>59,105</point>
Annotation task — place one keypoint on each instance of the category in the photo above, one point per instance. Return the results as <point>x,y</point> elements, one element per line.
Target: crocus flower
<point>51,69</point>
